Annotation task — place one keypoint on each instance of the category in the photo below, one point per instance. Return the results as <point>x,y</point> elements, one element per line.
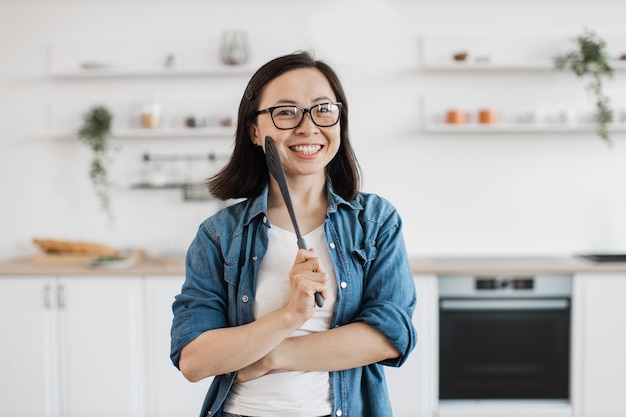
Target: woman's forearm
<point>220,351</point>
<point>345,347</point>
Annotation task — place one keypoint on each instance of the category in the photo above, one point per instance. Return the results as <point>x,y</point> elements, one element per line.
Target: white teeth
<point>307,150</point>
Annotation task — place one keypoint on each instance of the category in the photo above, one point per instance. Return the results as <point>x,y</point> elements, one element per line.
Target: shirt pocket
<point>231,271</point>
<point>366,254</point>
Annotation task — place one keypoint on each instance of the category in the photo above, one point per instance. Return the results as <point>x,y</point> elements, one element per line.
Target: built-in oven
<point>504,337</point>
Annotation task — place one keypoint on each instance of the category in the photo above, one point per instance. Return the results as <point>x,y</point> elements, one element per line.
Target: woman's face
<point>307,148</point>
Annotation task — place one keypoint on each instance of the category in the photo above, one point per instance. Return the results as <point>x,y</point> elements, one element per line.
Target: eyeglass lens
<point>289,117</point>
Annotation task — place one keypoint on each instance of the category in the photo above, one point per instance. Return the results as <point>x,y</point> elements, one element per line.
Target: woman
<point>246,313</point>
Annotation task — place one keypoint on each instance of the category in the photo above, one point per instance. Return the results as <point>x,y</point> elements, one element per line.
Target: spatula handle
<point>318,297</point>
<point>275,166</point>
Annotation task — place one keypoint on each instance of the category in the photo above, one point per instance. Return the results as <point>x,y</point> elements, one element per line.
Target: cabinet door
<point>100,334</point>
<point>411,387</point>
<point>599,344</point>
<point>169,393</point>
<point>27,371</point>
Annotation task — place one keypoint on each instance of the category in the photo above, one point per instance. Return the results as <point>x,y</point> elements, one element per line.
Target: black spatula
<point>275,167</point>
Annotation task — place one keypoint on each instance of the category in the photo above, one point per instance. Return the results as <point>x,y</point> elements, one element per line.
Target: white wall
<point>458,194</point>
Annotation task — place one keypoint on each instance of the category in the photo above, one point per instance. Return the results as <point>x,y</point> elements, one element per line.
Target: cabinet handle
<point>47,300</point>
<point>61,296</point>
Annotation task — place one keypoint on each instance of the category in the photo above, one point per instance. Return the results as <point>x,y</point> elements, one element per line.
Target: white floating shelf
<point>489,66</point>
<point>617,65</point>
<point>140,133</point>
<point>516,128</point>
<point>163,58</point>
<point>196,132</point>
<point>500,51</point>
<point>151,186</point>
<point>150,72</point>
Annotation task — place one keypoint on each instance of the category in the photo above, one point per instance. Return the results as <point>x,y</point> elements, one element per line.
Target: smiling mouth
<point>306,149</point>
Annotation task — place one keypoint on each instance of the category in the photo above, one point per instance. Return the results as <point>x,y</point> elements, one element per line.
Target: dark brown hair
<point>246,174</point>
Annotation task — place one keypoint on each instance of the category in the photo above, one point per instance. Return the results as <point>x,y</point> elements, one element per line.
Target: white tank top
<point>287,393</point>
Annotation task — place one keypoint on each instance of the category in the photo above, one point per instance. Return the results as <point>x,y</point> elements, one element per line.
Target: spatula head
<point>274,165</point>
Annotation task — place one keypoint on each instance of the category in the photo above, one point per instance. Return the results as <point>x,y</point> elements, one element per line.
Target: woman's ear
<point>253,131</point>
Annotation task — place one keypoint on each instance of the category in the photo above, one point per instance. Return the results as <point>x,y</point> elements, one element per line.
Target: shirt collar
<point>258,205</point>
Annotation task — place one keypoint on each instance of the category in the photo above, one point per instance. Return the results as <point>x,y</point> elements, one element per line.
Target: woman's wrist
<point>275,359</point>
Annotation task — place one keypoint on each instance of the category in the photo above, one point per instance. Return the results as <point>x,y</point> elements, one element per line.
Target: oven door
<point>504,348</point>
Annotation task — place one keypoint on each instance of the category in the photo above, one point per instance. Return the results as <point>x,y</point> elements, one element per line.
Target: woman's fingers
<point>307,277</point>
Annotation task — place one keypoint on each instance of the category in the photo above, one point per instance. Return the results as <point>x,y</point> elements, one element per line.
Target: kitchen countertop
<point>489,265</point>
<point>147,266</point>
<point>420,265</point>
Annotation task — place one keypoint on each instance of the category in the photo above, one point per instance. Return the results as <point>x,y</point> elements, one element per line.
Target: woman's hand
<point>253,371</point>
<point>306,277</point>
<point>268,363</point>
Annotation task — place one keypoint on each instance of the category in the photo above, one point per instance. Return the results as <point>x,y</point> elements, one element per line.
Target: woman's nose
<point>307,124</point>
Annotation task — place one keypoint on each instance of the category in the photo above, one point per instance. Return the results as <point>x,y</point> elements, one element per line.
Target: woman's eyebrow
<point>290,102</point>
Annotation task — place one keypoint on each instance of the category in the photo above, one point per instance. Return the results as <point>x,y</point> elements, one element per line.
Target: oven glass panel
<point>504,354</point>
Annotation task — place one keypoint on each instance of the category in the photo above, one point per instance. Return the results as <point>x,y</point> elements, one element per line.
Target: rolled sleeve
<point>201,305</point>
<point>389,294</point>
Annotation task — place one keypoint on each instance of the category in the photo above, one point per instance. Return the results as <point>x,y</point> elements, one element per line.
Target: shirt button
<point>245,298</point>
<point>264,219</point>
<point>343,284</point>
<point>254,258</point>
<point>338,413</point>
<point>332,245</point>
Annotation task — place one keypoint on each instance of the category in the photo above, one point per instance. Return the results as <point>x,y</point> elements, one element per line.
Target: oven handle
<point>560,304</point>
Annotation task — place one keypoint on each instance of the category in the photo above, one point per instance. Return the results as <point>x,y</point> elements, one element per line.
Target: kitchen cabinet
<point>168,392</point>
<point>100,346</point>
<point>27,374</point>
<point>91,346</point>
<point>72,346</point>
<point>599,343</point>
<point>412,386</point>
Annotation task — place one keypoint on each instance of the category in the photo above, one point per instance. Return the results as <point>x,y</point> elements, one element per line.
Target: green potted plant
<point>95,132</point>
<point>591,60</point>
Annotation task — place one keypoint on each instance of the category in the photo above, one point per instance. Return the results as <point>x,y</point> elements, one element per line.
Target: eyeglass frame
<point>270,110</point>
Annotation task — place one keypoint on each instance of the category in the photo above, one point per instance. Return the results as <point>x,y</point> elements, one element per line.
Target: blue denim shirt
<point>374,284</point>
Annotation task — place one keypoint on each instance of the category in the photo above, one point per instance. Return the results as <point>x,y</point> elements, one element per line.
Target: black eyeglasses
<point>290,117</point>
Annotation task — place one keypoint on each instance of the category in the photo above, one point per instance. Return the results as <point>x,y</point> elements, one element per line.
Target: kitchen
<point>487,194</point>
